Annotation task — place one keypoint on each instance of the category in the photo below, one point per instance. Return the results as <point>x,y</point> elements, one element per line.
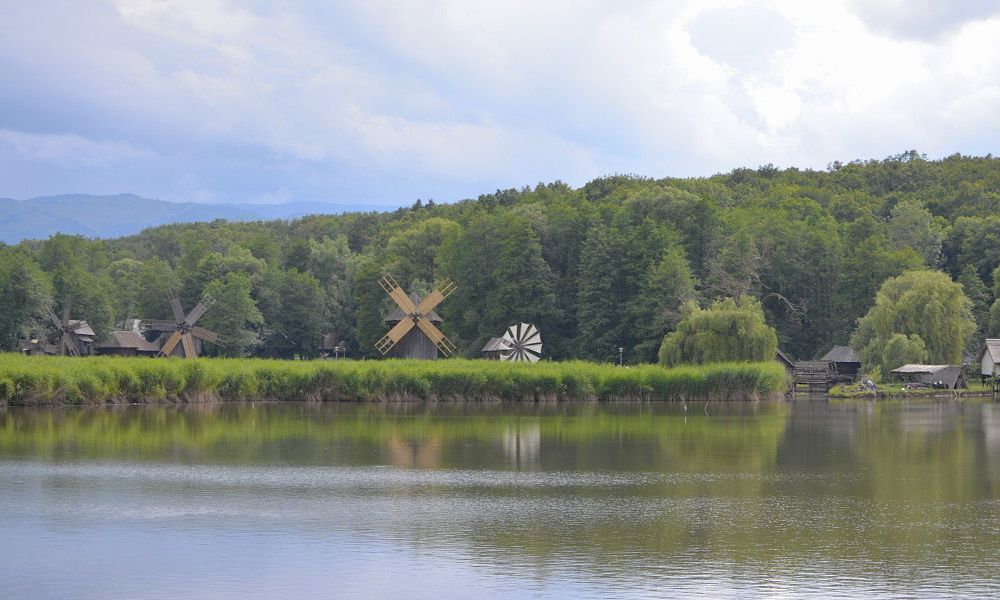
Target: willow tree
<point>728,330</point>
<point>924,303</point>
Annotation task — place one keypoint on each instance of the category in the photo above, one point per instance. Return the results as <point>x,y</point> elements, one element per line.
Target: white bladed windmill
<point>523,343</point>
<point>426,340</point>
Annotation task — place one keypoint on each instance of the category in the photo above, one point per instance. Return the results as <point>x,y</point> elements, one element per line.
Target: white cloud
<point>469,96</point>
<point>69,150</point>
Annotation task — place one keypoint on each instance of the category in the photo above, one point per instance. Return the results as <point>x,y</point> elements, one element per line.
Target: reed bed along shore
<point>27,380</point>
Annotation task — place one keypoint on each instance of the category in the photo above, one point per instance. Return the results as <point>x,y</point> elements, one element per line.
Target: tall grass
<point>28,380</point>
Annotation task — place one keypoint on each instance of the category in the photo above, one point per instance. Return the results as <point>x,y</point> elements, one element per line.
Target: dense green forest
<point>604,266</point>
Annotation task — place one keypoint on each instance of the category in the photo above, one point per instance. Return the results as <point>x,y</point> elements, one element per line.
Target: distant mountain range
<point>126,214</point>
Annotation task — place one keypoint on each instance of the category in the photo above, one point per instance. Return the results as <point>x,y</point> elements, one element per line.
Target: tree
<point>913,226</point>
<point>25,296</point>
<point>235,315</point>
<point>598,299</point>
<point>728,330</point>
<point>899,350</point>
<point>413,252</point>
<point>923,303</point>
<point>656,309</point>
<point>292,305</point>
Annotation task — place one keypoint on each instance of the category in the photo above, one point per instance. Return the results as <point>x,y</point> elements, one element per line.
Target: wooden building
<point>494,348</point>
<point>840,365</point>
<point>940,376</point>
<point>128,343</point>
<point>415,344</point>
<point>332,347</point>
<point>989,359</point>
<point>786,362</point>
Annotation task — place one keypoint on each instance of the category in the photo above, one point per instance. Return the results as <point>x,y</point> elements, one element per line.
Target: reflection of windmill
<point>523,343</point>
<point>73,337</point>
<point>182,337</point>
<point>426,340</point>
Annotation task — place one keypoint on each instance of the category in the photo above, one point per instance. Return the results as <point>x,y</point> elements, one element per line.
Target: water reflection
<point>800,498</point>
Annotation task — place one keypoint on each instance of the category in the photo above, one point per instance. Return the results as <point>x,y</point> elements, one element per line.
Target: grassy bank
<point>28,380</point>
<point>896,390</point>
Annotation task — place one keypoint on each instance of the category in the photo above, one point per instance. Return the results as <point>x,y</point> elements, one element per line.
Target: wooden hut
<point>939,376</point>
<point>415,344</point>
<point>844,361</point>
<point>840,365</point>
<point>128,343</point>
<point>989,359</point>
<point>786,362</point>
<point>493,348</point>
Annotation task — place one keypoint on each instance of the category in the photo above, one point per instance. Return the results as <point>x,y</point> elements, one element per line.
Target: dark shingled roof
<point>783,358</point>
<point>130,339</point>
<point>397,315</point>
<point>842,354</point>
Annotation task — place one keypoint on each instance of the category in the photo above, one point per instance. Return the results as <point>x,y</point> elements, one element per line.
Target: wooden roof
<point>783,358</point>
<point>81,328</point>
<point>397,315</point>
<point>916,368</point>
<point>993,347</point>
<point>495,345</point>
<point>842,354</point>
<point>130,339</point>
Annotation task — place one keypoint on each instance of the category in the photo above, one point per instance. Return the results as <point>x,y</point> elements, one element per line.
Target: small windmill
<point>73,337</point>
<point>522,342</point>
<point>180,334</point>
<point>415,312</point>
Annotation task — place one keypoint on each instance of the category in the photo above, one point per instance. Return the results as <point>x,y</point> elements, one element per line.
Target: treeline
<point>597,268</point>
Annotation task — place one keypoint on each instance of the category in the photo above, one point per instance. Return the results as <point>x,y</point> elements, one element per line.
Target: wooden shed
<point>844,361</point>
<point>128,343</point>
<point>493,348</point>
<point>786,362</point>
<point>415,344</point>
<point>941,376</point>
<point>989,359</point>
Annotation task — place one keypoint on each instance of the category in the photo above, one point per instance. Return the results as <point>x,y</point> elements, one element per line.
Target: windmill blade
<point>69,344</point>
<point>175,306</point>
<point>398,295</point>
<point>155,325</point>
<point>395,334</point>
<point>441,291</point>
<point>187,342</point>
<point>524,343</point>
<point>205,334</point>
<point>55,320</point>
<point>443,343</point>
<point>199,310</point>
<point>168,346</point>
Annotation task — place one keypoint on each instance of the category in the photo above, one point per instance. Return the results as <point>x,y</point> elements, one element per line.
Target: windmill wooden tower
<point>182,337</point>
<point>73,337</point>
<point>413,333</point>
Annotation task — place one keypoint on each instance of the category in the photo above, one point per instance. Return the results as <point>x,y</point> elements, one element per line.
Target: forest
<point>605,266</point>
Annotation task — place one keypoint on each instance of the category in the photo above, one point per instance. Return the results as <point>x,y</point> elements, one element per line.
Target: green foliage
<point>28,380</point>
<point>728,330</point>
<point>898,350</point>
<point>596,268</point>
<point>25,294</point>
<point>927,304</point>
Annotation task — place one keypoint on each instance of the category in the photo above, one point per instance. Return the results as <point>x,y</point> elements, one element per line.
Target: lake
<point>720,500</point>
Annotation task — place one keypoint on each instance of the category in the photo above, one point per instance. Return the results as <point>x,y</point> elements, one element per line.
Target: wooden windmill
<point>182,336</point>
<point>426,340</point>
<point>72,337</point>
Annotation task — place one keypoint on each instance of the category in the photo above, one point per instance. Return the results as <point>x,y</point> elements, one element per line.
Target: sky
<point>383,102</point>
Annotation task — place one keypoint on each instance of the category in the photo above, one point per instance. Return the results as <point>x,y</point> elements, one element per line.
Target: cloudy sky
<point>383,102</point>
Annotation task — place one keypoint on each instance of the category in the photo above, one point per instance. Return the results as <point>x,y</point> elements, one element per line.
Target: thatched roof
<point>130,339</point>
<point>915,368</point>
<point>81,328</point>
<point>397,315</point>
<point>842,354</point>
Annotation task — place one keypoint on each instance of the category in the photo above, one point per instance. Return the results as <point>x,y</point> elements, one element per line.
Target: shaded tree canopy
<point>728,330</point>
<point>926,304</point>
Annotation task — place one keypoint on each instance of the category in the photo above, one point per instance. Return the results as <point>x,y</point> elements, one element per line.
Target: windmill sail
<point>523,343</point>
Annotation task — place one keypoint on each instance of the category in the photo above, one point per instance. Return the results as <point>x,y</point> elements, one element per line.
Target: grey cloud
<point>922,19</point>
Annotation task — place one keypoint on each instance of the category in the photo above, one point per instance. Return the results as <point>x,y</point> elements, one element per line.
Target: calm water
<point>748,500</point>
